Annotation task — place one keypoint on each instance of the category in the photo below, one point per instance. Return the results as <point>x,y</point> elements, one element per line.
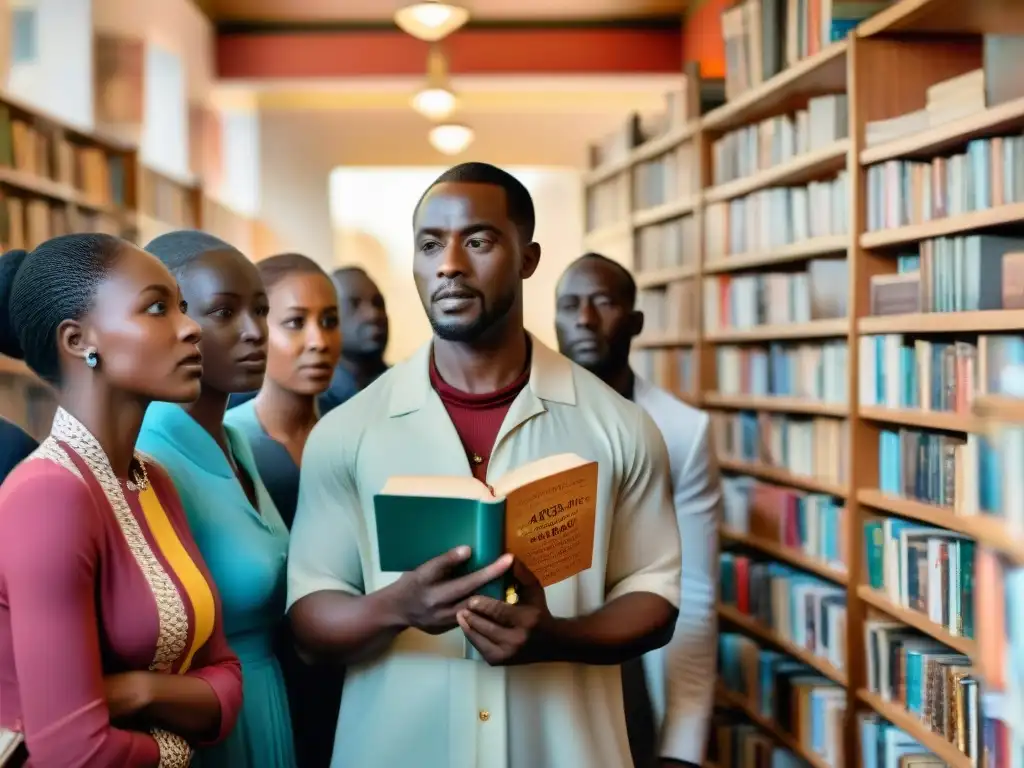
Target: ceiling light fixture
<point>436,101</point>
<point>432,20</point>
<point>451,138</point>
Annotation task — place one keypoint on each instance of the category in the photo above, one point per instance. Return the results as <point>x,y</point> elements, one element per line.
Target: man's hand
<point>428,598</point>
<point>509,634</point>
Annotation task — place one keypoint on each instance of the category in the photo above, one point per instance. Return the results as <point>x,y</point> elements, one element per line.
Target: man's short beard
<point>466,334</point>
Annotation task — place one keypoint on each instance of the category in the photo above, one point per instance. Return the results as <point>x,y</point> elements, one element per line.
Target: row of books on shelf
<point>763,37</point>
<point>670,308</point>
<point>818,292</point>
<point>764,145</point>
<point>811,447</point>
<point>811,524</point>
<point>666,178</point>
<point>972,475</point>
<point>945,375</point>
<point>607,203</point>
<point>904,192</point>
<point>735,742</point>
<point>27,221</point>
<point>953,274</point>
<point>804,610</point>
<point>673,243</point>
<point>670,368</point>
<point>812,371</point>
<point>794,697</point>
<point>639,128</point>
<point>777,217</point>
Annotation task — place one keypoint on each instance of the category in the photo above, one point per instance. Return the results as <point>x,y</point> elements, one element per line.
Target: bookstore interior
<point>810,237</point>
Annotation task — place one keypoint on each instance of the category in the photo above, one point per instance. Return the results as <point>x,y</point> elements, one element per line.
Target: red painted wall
<point>702,36</point>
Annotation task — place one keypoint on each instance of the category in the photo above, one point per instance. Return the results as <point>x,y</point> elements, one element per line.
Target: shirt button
<point>484,715</point>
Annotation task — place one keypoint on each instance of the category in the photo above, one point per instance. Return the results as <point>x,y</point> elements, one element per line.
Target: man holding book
<point>668,709</point>
<point>442,675</point>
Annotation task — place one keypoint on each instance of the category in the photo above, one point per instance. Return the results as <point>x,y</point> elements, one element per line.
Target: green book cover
<point>414,529</point>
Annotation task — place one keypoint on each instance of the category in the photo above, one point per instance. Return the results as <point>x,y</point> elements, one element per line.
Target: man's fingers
<point>495,610</point>
<point>495,631</point>
<point>456,589</point>
<point>524,575</point>
<point>436,569</point>
<point>487,647</point>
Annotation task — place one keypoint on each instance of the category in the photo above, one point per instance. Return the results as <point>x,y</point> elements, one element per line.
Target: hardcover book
<point>543,513</point>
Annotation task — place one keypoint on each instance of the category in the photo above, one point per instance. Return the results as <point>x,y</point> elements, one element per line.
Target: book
<point>543,513</point>
<point>12,750</point>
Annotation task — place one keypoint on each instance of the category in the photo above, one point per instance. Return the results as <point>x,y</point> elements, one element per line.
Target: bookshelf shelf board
<point>666,143</point>
<point>798,170</point>
<point>775,404</point>
<point>607,171</point>
<point>999,408</point>
<point>664,339</point>
<point>660,213</point>
<point>805,249</point>
<point>944,322</point>
<point>652,278</point>
<point>815,329</point>
<point>951,135</point>
<point>908,417</point>
<point>753,627</point>
<point>933,742</point>
<point>987,530</point>
<point>730,699</point>
<point>785,554</point>
<point>44,187</point>
<point>951,225</point>
<point>607,234</point>
<point>824,72</point>
<point>782,477</point>
<point>917,620</point>
<point>952,16</point>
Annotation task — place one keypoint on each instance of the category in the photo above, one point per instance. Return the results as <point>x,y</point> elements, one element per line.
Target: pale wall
<point>372,210</point>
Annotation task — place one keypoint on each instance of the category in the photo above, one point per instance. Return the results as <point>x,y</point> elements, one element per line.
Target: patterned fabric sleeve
<point>49,534</point>
<point>175,752</point>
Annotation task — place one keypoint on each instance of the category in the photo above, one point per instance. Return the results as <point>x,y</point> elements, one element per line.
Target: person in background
<point>303,350</point>
<point>112,649</point>
<point>15,443</point>
<point>482,398</point>
<point>233,517</point>
<point>364,333</point>
<point>668,709</point>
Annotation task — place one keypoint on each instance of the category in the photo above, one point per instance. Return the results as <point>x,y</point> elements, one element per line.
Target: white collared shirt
<point>681,676</point>
<point>421,703</point>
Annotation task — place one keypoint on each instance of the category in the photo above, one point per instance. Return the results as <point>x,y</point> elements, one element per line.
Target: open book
<point>12,753</point>
<point>543,513</point>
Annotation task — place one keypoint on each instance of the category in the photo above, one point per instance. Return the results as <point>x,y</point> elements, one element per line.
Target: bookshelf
<point>810,291</point>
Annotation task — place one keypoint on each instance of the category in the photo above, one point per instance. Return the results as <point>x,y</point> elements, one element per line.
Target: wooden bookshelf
<point>926,42</point>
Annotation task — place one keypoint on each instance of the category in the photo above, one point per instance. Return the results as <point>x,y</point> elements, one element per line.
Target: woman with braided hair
<point>233,516</point>
<point>112,651</point>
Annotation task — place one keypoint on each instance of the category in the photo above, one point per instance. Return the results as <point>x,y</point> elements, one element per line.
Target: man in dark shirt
<point>15,445</point>
<point>364,336</point>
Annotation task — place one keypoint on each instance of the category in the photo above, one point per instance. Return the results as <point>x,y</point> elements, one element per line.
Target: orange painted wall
<point>702,36</point>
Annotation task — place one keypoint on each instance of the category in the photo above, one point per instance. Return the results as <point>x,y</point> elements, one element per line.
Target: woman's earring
<point>92,357</point>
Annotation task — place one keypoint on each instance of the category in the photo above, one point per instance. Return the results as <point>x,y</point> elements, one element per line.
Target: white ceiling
<point>490,10</point>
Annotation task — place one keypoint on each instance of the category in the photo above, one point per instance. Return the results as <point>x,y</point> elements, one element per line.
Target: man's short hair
<point>517,196</point>
<point>627,283</point>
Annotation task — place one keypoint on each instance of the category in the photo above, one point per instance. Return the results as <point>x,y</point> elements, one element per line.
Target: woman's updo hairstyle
<point>273,269</point>
<point>41,289</point>
<point>178,249</point>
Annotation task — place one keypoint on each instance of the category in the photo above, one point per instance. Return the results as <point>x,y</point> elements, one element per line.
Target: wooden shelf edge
<point>595,176</point>
<point>733,616</point>
<point>731,112</point>
<point>950,422</point>
<point>651,340</point>
<point>917,620</point>
<point>943,322</point>
<point>951,225</point>
<point>805,249</point>
<point>818,161</point>
<point>728,698</point>
<point>902,719</point>
<point>656,214</point>
<point>665,143</point>
<point>780,476</point>
<point>785,554</point>
<point>652,278</point>
<point>776,404</point>
<point>947,135</point>
<point>815,329</point>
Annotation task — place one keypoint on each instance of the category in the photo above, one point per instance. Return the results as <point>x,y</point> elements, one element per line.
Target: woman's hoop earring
<point>92,357</point>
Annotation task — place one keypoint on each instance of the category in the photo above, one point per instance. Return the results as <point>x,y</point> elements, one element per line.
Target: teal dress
<point>246,550</point>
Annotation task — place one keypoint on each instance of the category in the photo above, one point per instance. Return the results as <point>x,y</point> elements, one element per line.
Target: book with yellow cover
<point>543,513</point>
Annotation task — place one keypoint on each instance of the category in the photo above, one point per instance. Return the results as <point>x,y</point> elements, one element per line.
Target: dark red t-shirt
<point>477,418</point>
